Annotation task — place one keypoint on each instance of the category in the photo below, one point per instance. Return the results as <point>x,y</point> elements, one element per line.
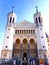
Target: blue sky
<point>24,9</point>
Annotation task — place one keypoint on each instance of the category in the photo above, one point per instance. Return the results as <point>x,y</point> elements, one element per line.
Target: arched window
<point>18,41</point>
<point>32,41</point>
<point>25,41</point>
<point>22,31</point>
<point>13,20</point>
<point>36,22</point>
<point>39,20</point>
<point>10,19</point>
<point>29,31</point>
<point>18,31</point>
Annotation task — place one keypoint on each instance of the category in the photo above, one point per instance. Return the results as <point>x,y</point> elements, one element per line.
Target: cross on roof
<point>36,9</point>
<point>13,8</point>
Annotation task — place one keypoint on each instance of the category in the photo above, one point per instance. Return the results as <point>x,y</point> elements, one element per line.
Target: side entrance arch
<point>16,48</point>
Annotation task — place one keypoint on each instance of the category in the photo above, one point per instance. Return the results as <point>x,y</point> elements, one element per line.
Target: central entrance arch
<point>25,60</point>
<point>25,56</point>
<point>24,51</point>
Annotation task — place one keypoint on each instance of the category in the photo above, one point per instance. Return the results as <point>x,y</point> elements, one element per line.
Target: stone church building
<point>24,40</point>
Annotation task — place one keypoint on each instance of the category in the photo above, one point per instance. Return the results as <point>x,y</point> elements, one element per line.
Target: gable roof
<point>26,22</point>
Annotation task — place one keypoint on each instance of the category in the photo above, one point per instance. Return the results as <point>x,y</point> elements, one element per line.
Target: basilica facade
<point>24,40</point>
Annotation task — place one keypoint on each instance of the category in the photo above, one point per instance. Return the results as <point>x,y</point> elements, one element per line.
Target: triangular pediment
<point>26,22</point>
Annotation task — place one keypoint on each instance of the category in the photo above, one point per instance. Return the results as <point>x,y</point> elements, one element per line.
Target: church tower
<point>40,35</point>
<point>8,38</point>
<point>25,41</point>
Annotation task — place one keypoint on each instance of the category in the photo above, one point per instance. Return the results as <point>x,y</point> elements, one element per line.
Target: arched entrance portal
<point>25,52</point>
<point>33,48</point>
<point>25,60</point>
<point>16,48</point>
<point>25,56</point>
